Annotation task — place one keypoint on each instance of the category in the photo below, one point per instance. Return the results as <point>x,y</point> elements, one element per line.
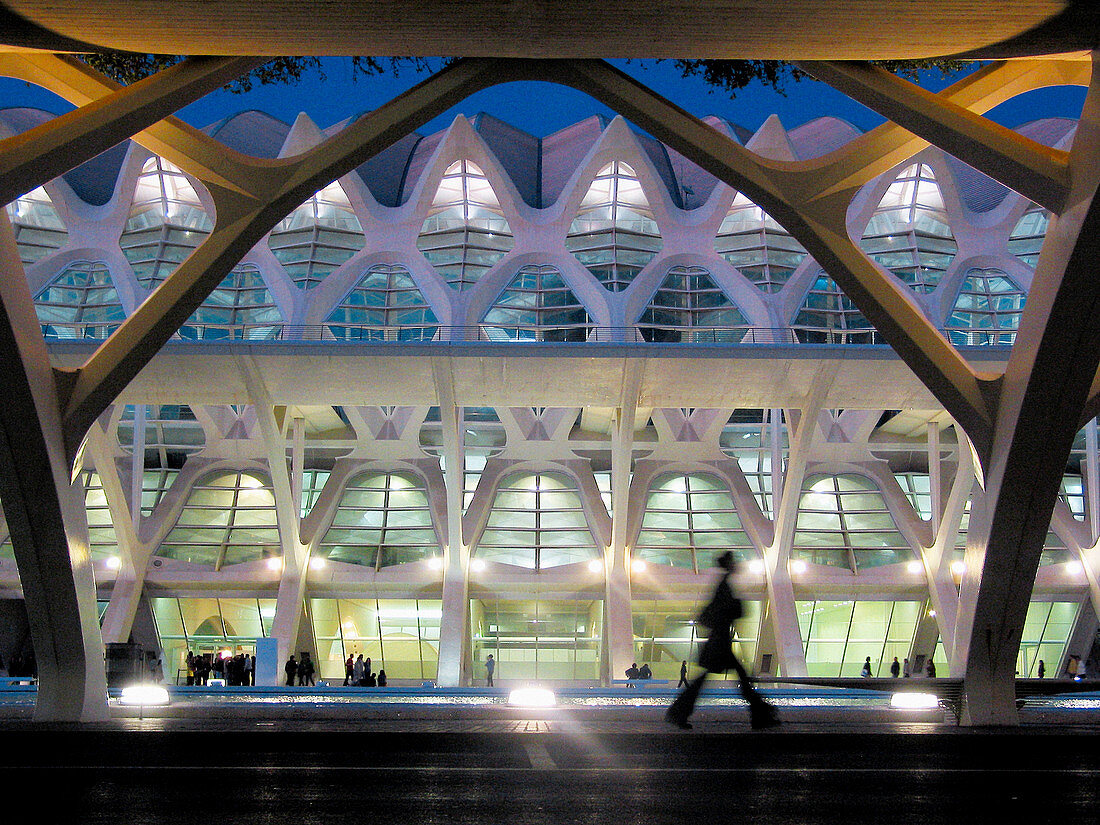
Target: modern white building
<point>511,395</point>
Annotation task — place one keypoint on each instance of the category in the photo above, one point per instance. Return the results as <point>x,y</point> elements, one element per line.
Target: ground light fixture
<point>317,563</point>
<point>958,567</point>
<point>435,563</point>
<point>274,563</point>
<point>798,566</point>
<point>1075,568</point>
<point>756,567</point>
<point>113,562</point>
<point>477,565</point>
<point>595,565</point>
<point>638,566</point>
<point>145,695</point>
<point>914,567</point>
<point>914,701</point>
<point>532,697</point>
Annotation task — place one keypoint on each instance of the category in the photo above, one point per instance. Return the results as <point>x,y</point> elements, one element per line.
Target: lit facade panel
<point>1026,238</point>
<point>840,635</point>
<point>689,307</point>
<point>228,518</point>
<point>843,521</point>
<point>465,232</point>
<point>171,433</point>
<point>758,246</point>
<point>987,309</point>
<point>166,223</point>
<point>537,521</point>
<point>38,228</point>
<point>666,634</point>
<point>81,302</point>
<point>207,626</point>
<point>828,316</point>
<point>383,519</point>
<point>908,233</point>
<point>385,305</point>
<point>240,307</point>
<point>1045,637</point>
<point>614,234</point>
<point>399,636</point>
<point>689,521</point>
<point>541,638</point>
<point>102,539</point>
<point>537,305</point>
<point>317,237</point>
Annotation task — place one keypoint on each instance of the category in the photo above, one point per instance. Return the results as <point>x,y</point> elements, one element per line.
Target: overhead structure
<point>620,274</point>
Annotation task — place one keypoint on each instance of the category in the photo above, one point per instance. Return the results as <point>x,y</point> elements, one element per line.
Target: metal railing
<point>517,334</point>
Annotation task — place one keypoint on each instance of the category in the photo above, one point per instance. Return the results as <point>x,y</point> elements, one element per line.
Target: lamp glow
<point>532,697</point>
<point>145,695</point>
<point>914,701</point>
<point>595,565</point>
<point>113,562</point>
<point>1075,568</point>
<point>317,563</point>
<point>477,565</point>
<point>913,567</point>
<point>798,566</point>
<point>435,563</point>
<point>274,563</point>
<point>638,566</point>
<point>756,567</point>
<point>958,567</point>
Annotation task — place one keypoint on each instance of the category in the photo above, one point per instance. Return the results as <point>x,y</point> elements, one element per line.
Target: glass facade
<point>386,305</point>
<point>317,237</point>
<point>167,221</point>
<point>537,306</point>
<point>987,309</point>
<point>666,634</point>
<point>1026,238</point>
<point>689,307</point>
<point>37,226</point>
<point>839,635</point>
<point>614,234</point>
<point>828,316</point>
<point>465,232</point>
<point>908,233</point>
<point>1046,633</point>
<point>537,521</point>
<point>399,636</point>
<point>240,307</point>
<point>383,519</point>
<point>171,433</point>
<point>81,302</point>
<point>228,518</point>
<point>761,250</point>
<point>207,625</point>
<point>843,521</point>
<point>690,520</point>
<point>552,639</point>
<point>102,540</point>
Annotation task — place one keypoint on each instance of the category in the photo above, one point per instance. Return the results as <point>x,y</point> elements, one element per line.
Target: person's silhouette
<point>717,656</point>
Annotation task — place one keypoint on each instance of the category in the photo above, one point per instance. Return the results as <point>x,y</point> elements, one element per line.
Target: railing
<point>503,334</point>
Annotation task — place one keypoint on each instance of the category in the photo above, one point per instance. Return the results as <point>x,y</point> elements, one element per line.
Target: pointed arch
<point>465,232</point>
<point>828,316</point>
<point>385,304</point>
<point>317,237</point>
<point>537,305</point>
<point>81,302</point>
<point>987,309</point>
<point>614,234</point>
<point>1027,235</point>
<point>909,233</point>
<point>753,242</point>
<point>38,228</point>
<point>689,307</point>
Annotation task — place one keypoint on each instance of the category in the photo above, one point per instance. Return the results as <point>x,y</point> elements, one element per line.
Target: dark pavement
<point>538,771</point>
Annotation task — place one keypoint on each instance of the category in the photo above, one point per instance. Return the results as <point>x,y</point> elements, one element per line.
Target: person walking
<point>931,670</point>
<point>905,670</point>
<point>291,670</point>
<point>866,672</point>
<point>490,666</point>
<point>683,675</point>
<point>895,668</point>
<point>357,671</point>
<point>1042,669</point>
<point>349,670</point>
<point>717,656</point>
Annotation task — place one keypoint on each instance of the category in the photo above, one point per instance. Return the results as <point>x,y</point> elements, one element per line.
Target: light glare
<point>914,701</point>
<point>145,695</point>
<point>756,567</point>
<point>958,567</point>
<point>532,697</point>
<point>798,566</point>
<point>638,566</point>
<point>274,563</point>
<point>595,566</point>
<point>913,567</point>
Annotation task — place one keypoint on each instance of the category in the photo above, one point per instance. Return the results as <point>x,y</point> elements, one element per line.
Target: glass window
<point>690,307</point>
<point>386,305</point>
<point>1046,633</point>
<point>614,234</point>
<point>665,635</point>
<point>1026,238</point>
<point>908,233</point>
<point>81,302</point>
<point>537,306</point>
<point>465,232</point>
<point>37,226</point>
<point>171,434</point>
<point>840,635</point>
<point>987,309</point>
<point>317,237</point>
<point>166,222</point>
<point>537,521</point>
<point>373,520</point>
<point>400,636</point>
<point>762,250</point>
<point>102,541</point>
<point>240,307</point>
<point>828,316</point>
<point>552,639</point>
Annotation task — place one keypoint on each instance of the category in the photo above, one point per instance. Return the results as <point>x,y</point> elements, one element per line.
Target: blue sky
<point>543,108</point>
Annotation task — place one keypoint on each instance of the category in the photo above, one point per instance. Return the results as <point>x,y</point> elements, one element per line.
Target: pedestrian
<point>1082,670</point>
<point>1071,667</point>
<point>190,668</point>
<point>357,670</point>
<point>905,670</point>
<point>349,670</point>
<point>931,669</point>
<point>1042,669</point>
<point>366,671</point>
<point>490,667</point>
<point>246,670</point>
<point>683,675</point>
<point>381,678</point>
<point>291,670</point>
<point>645,672</point>
<point>717,656</point>
<point>307,670</point>
<point>866,672</point>
<point>895,668</point>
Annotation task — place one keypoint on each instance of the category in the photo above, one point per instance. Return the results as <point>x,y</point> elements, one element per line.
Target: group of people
<point>898,669</point>
<point>358,673</point>
<point>643,672</point>
<point>237,671</point>
<point>302,670</point>
<point>21,664</point>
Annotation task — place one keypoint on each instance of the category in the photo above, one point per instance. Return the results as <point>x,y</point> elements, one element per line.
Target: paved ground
<point>473,767</point>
